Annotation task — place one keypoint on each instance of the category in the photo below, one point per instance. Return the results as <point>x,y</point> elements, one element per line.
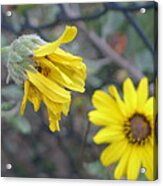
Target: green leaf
<point>144,61</point>
<point>135,42</point>
<point>113,21</point>
<point>94,81</point>
<point>93,66</point>
<point>21,124</point>
<point>12,91</point>
<point>148,28</point>
<point>6,106</point>
<point>96,169</point>
<point>142,177</point>
<point>4,54</point>
<point>24,8</point>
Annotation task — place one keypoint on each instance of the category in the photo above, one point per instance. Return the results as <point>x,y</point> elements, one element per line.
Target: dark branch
<point>129,8</point>
<point>140,31</point>
<point>106,7</point>
<point>62,18</point>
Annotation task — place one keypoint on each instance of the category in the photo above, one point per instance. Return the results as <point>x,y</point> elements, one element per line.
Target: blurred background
<point>116,40</point>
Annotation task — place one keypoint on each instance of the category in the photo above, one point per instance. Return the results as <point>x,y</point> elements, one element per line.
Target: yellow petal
<point>130,96</point>
<point>107,135</point>
<point>34,97</point>
<point>77,67</point>
<point>47,87</point>
<point>148,161</point>
<point>25,97</point>
<point>113,152</point>
<point>113,91</point>
<point>47,49</point>
<point>53,122</point>
<point>66,108</point>
<point>122,165</point>
<point>149,106</point>
<point>142,94</point>
<point>106,106</point>
<point>103,118</point>
<point>65,58</point>
<point>55,74</point>
<point>105,102</point>
<point>134,164</point>
<point>55,108</point>
<point>54,126</point>
<point>77,77</point>
<point>156,95</point>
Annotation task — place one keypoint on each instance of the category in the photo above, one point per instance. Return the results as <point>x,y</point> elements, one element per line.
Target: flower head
<point>128,128</point>
<point>49,74</point>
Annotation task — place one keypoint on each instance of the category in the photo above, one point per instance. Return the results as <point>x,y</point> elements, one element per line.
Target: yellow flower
<point>54,73</point>
<point>128,128</point>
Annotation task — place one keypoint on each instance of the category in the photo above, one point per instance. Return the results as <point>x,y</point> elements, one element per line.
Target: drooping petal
<point>73,66</point>
<point>25,97</point>
<point>55,74</point>
<point>53,121</point>
<point>113,152</point>
<point>47,49</point>
<point>65,58</point>
<point>49,88</point>
<point>130,96</point>
<point>121,168</point>
<point>107,135</point>
<point>134,164</point>
<point>77,77</point>
<point>66,108</point>
<point>34,97</point>
<point>54,107</point>
<point>54,125</point>
<point>54,112</point>
<point>142,94</point>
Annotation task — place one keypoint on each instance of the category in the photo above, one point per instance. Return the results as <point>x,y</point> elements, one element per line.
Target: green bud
<point>15,57</point>
<point>21,49</point>
<point>19,56</point>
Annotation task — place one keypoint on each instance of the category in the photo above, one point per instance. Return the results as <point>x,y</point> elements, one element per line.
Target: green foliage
<point>134,41</point>
<point>144,61</point>
<point>21,9</point>
<point>20,123</point>
<point>148,28</point>
<point>12,91</point>
<point>96,169</point>
<point>6,106</point>
<point>4,54</point>
<point>10,109</point>
<point>142,177</point>
<point>112,23</point>
<point>93,67</point>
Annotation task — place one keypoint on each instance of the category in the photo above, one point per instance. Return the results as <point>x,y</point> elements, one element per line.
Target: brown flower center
<point>137,128</point>
<point>140,128</point>
<point>45,71</point>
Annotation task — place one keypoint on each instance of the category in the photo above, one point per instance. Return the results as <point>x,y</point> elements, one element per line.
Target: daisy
<point>128,127</point>
<point>50,75</point>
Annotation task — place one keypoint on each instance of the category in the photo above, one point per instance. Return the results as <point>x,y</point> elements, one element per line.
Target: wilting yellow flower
<point>54,73</point>
<point>128,127</point>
